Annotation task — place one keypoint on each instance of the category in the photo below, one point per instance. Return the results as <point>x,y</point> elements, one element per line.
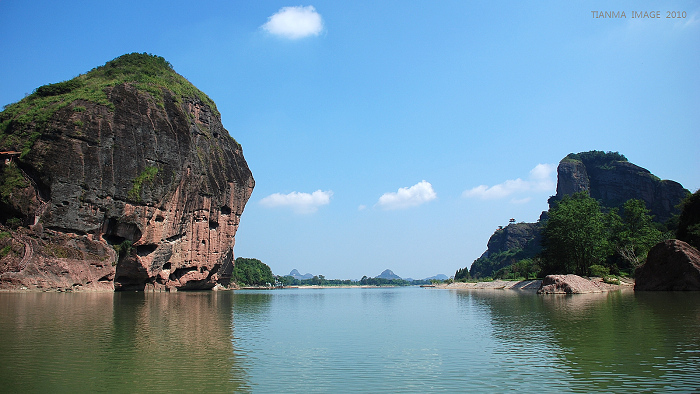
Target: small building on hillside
<point>8,156</point>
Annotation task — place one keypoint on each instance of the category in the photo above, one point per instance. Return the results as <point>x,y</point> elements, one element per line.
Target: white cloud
<point>295,22</point>
<point>406,197</point>
<point>691,21</point>
<point>541,179</point>
<point>299,202</point>
<point>521,200</point>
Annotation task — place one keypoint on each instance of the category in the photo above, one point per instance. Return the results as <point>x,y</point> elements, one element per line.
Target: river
<point>350,340</point>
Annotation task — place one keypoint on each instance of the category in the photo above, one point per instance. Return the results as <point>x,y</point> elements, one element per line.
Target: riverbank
<point>595,285</point>
<point>493,285</point>
<point>310,287</point>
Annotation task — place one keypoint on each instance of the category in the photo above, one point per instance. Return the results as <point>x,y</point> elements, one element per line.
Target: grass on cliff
<point>146,176</point>
<point>22,123</point>
<point>11,179</point>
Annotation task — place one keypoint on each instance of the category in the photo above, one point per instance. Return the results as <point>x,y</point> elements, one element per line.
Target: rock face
<point>513,236</point>
<point>612,180</point>
<point>521,238</point>
<point>572,177</point>
<point>568,284</point>
<point>148,178</point>
<point>54,261</point>
<point>670,265</point>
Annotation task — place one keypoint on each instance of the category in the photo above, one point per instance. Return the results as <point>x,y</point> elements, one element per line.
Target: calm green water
<point>350,340</point>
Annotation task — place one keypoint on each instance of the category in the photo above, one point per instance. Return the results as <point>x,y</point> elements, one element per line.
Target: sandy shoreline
<point>533,284</point>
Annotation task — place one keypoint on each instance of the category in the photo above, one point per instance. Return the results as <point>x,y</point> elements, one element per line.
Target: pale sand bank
<point>496,284</point>
<point>528,285</point>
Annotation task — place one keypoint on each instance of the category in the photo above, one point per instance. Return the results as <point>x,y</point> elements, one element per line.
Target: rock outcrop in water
<point>670,265</point>
<point>568,284</point>
<point>127,180</point>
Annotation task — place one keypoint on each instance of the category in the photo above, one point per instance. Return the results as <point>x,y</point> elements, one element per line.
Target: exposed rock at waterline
<point>568,284</point>
<point>55,261</point>
<point>670,265</point>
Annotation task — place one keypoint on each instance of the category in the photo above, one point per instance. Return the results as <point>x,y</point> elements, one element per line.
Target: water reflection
<point>125,342</point>
<point>175,341</point>
<point>339,340</point>
<point>612,342</point>
<point>519,349</point>
<point>35,328</point>
<point>391,340</point>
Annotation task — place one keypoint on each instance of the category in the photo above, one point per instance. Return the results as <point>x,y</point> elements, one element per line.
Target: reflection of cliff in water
<point>606,341</point>
<point>178,341</point>
<point>35,329</point>
<point>512,334</point>
<point>123,342</point>
<point>620,338</point>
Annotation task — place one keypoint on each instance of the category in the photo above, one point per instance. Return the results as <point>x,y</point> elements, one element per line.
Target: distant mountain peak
<point>388,274</point>
<point>297,275</point>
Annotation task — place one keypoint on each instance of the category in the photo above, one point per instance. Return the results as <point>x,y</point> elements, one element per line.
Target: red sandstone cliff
<point>141,188</point>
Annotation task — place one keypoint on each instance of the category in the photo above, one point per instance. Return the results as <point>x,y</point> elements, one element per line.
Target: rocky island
<point>122,178</point>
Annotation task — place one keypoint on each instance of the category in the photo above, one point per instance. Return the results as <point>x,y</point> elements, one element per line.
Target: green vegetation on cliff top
<point>21,123</point>
<point>595,158</point>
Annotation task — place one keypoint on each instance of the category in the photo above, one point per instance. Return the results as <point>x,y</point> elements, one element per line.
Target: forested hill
<point>508,245</point>
<point>607,177</point>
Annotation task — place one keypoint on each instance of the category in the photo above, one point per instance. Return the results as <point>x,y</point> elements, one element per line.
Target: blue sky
<point>395,134</point>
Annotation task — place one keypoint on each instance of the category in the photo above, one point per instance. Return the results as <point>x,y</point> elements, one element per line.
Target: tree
<point>288,280</point>
<point>633,234</point>
<point>689,220</point>
<point>462,274</point>
<point>574,236</point>
<point>318,280</point>
<point>251,272</point>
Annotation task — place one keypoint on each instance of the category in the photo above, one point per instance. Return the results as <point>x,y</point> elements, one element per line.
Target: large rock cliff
<point>608,177</point>
<point>507,245</point>
<point>513,236</point>
<point>127,171</point>
<point>612,180</point>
